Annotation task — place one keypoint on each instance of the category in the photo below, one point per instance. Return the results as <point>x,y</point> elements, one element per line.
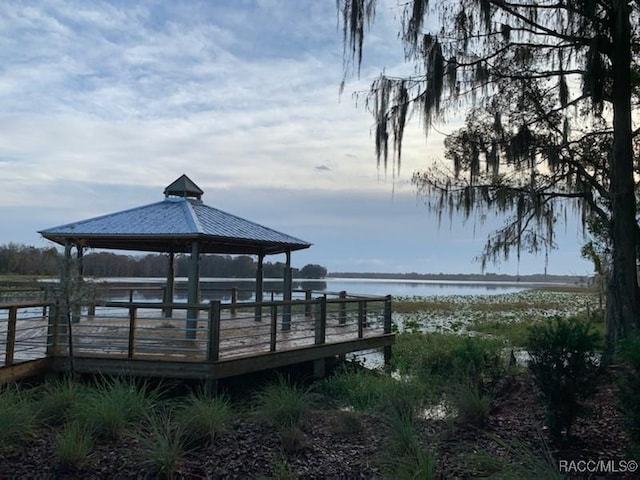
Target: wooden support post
<point>11,335</point>
<point>52,330</point>
<point>321,321</point>
<point>342,309</point>
<point>213,352</point>
<point>307,306</point>
<point>168,290</point>
<point>365,313</point>
<point>259,288</point>
<point>387,328</point>
<point>361,318</point>
<point>286,293</point>
<point>320,368</point>
<point>193,294</point>
<point>45,299</point>
<point>234,300</point>
<point>131,295</point>
<point>77,284</point>
<point>132,332</point>
<point>274,327</point>
<point>211,387</point>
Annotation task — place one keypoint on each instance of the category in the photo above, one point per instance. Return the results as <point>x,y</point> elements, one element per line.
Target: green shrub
<point>18,420</point>
<point>564,365</point>
<point>201,418</point>
<point>629,383</point>
<point>112,406</point>
<point>443,358</point>
<point>74,445</point>
<point>282,404</point>
<point>162,447</point>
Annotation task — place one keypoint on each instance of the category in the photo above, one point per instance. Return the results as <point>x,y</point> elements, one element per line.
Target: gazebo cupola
<point>183,187</point>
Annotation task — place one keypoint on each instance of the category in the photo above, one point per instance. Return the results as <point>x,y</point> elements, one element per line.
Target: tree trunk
<point>623,302</point>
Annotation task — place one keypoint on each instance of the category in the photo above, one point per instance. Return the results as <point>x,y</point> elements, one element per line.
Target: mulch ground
<point>252,450</point>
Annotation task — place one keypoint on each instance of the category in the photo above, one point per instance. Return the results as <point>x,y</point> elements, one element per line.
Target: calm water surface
<point>218,288</point>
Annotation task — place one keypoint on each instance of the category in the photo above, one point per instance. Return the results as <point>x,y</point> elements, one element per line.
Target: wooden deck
<point>204,341</point>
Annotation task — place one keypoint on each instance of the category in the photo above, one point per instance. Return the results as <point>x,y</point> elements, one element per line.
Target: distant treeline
<point>18,259</point>
<point>468,277</point>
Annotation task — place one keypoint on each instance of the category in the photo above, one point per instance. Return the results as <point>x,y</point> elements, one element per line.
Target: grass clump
<point>471,403</point>
<point>282,403</point>
<point>201,418</point>
<point>162,446</point>
<point>18,421</point>
<point>75,443</point>
<point>111,406</point>
<point>403,456</point>
<point>56,400</point>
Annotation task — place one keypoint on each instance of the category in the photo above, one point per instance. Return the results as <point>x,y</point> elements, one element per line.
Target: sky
<point>105,103</point>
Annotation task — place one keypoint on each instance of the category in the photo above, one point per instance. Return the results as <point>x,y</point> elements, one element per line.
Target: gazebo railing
<point>220,331</point>
<point>24,331</point>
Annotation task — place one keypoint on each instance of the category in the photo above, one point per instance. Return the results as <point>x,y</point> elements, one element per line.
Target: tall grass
<point>367,391</point>
<point>443,358</point>
<point>75,443</point>
<point>471,403</point>
<point>162,447</point>
<point>282,403</point>
<point>403,457</point>
<point>201,418</point>
<point>18,422</point>
<point>56,399</point>
<point>112,406</point>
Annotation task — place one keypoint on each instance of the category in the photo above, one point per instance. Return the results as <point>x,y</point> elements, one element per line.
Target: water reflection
<point>220,289</point>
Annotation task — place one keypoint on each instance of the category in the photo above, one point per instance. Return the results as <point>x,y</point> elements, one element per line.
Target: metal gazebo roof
<point>172,225</point>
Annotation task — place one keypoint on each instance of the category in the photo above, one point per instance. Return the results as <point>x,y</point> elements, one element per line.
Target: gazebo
<point>180,223</point>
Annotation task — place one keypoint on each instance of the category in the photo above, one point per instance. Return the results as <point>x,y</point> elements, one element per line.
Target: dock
<point>204,341</point>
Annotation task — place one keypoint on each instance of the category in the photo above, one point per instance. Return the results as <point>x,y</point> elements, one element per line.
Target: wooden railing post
<point>321,321</point>
<point>361,318</point>
<point>342,309</point>
<point>307,306</point>
<point>52,330</point>
<point>234,300</point>
<point>132,332</point>
<point>274,327</point>
<point>387,328</point>
<point>11,335</point>
<point>45,296</point>
<point>213,351</point>
<point>286,315</point>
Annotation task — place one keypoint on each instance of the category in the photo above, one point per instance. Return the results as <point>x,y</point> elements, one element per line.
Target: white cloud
<point>105,103</point>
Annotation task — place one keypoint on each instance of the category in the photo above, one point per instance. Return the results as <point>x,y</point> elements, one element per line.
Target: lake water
<point>219,288</point>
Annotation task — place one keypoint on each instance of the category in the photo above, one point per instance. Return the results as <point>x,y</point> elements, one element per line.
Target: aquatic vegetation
<point>495,315</point>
